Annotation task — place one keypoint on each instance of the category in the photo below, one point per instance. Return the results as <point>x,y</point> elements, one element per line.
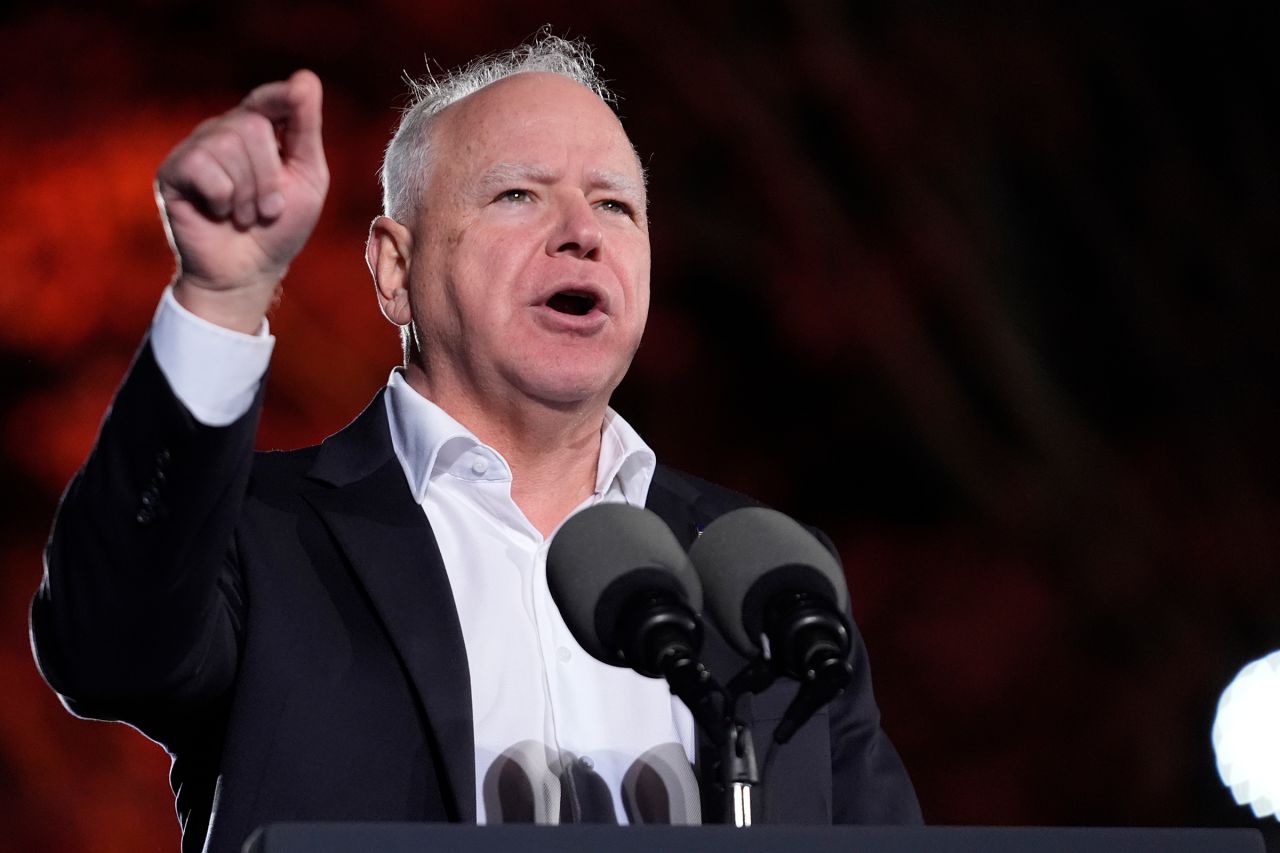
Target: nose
<point>578,232</point>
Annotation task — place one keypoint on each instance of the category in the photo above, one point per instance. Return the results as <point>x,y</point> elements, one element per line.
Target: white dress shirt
<point>556,731</point>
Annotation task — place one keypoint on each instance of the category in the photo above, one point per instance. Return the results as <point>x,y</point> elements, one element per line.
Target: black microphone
<point>630,597</point>
<point>777,593</point>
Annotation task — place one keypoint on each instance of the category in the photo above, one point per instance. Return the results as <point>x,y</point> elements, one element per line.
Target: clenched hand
<point>240,196</point>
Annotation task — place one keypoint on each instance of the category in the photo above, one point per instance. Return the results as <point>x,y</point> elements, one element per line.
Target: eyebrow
<point>616,182</point>
<point>503,174</point>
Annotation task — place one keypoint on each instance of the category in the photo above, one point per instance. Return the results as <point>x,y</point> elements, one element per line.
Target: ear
<point>387,253</point>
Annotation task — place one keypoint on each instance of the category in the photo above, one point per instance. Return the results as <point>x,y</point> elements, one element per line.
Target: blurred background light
<point>1246,736</point>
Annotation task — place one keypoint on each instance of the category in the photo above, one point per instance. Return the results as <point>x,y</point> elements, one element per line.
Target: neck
<point>553,450</point>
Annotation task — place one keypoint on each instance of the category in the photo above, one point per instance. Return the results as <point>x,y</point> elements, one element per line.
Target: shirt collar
<point>625,461</point>
<point>430,443</point>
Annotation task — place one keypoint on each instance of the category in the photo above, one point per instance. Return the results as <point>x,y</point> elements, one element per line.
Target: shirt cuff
<point>213,371</point>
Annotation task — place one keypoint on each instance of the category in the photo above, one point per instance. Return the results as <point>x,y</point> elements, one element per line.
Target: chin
<point>567,390</point>
<point>572,397</point>
<point>567,376</point>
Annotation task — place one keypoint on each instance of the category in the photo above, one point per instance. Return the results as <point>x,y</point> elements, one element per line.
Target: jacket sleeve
<point>140,606</point>
<point>869,784</point>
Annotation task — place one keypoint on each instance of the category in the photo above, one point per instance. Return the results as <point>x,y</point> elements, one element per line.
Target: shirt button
<point>479,465</point>
<point>563,654</point>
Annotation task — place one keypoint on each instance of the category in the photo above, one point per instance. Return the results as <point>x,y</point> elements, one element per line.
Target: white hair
<point>404,167</point>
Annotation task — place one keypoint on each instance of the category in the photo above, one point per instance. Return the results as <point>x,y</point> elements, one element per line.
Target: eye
<point>518,196</point>
<point>613,205</point>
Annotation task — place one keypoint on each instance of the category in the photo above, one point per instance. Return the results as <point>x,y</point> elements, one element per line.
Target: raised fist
<point>240,196</point>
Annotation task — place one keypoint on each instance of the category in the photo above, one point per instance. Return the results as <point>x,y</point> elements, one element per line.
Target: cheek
<point>637,277</point>
<point>493,248</point>
<point>488,273</point>
<point>643,299</point>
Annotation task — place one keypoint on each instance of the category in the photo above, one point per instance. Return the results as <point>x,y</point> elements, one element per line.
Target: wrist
<point>241,309</point>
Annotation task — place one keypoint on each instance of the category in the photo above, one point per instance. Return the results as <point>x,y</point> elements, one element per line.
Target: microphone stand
<point>739,774</point>
<point>664,637</point>
<point>693,684</point>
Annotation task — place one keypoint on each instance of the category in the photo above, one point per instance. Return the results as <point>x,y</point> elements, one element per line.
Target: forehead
<point>535,117</point>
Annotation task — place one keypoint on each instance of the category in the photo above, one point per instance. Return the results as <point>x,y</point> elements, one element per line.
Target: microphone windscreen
<point>746,556</point>
<point>602,556</point>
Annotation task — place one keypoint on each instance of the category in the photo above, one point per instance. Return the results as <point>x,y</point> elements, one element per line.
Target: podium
<point>587,838</point>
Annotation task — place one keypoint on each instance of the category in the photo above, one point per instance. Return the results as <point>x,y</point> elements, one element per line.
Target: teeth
<point>577,304</point>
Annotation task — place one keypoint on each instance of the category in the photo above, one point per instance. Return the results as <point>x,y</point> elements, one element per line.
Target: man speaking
<point>362,630</point>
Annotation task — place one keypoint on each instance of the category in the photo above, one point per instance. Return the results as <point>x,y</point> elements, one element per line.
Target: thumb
<point>295,106</point>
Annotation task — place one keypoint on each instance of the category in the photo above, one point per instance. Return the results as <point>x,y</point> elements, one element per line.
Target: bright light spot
<point>1246,736</point>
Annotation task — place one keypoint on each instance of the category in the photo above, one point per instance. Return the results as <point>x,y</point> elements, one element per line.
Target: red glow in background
<point>990,296</point>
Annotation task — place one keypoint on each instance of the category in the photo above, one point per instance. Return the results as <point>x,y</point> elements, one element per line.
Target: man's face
<point>529,274</point>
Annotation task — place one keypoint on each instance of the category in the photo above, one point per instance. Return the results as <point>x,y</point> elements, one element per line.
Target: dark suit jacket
<point>283,625</point>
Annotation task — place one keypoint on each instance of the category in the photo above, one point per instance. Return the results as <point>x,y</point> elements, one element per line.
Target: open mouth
<point>572,302</point>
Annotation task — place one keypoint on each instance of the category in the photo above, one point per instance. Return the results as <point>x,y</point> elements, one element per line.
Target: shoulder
<point>278,472</point>
<point>694,490</point>
<point>688,503</point>
<point>706,500</point>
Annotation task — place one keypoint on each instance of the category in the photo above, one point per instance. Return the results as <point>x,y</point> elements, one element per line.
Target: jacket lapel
<point>389,544</point>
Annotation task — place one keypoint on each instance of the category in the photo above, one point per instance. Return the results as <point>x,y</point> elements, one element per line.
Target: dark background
<point>988,294</point>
